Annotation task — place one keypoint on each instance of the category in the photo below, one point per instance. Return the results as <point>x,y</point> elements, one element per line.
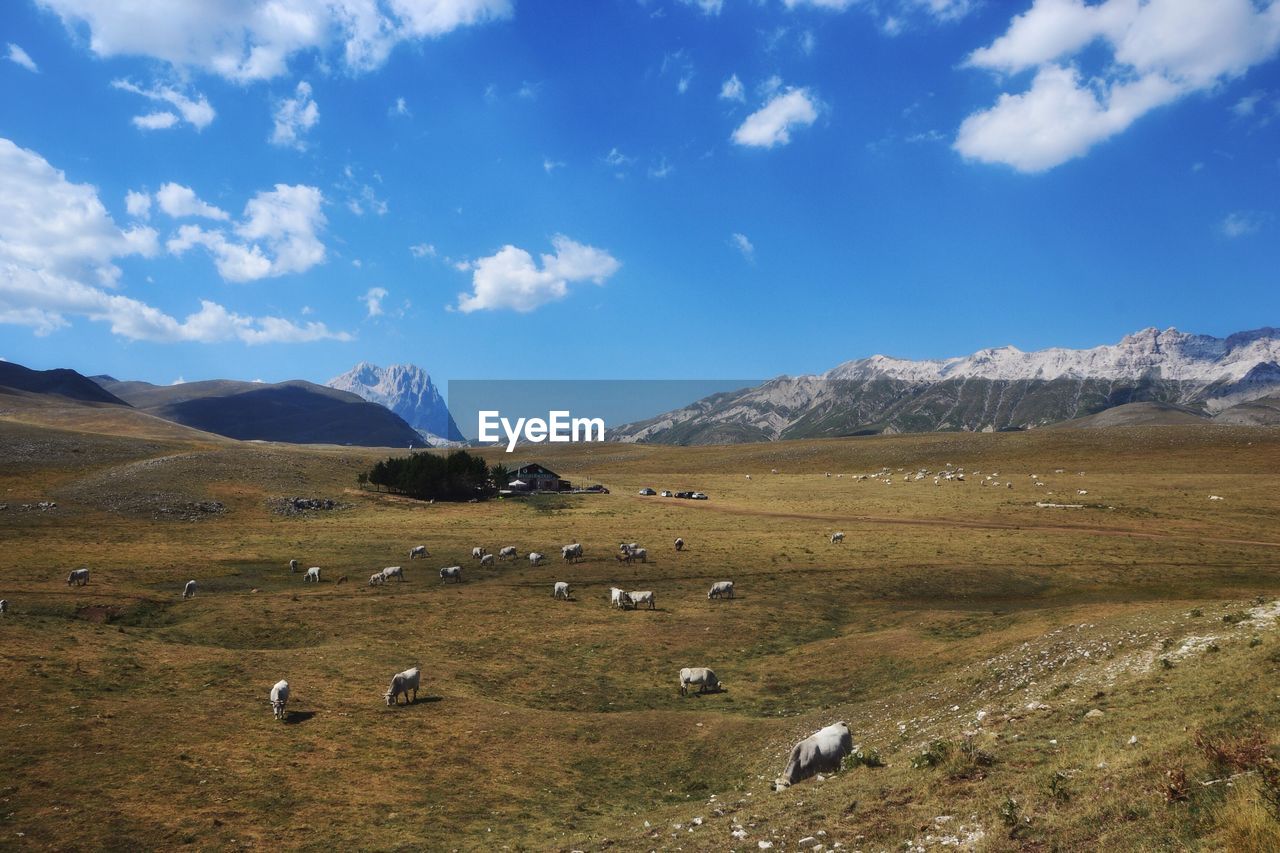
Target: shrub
<point>864,758</point>
<point>932,755</point>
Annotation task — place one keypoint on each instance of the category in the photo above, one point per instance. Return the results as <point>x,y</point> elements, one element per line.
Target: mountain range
<point>1230,380</point>
<point>407,390</point>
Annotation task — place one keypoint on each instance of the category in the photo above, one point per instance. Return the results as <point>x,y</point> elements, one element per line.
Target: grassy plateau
<point>965,634</point>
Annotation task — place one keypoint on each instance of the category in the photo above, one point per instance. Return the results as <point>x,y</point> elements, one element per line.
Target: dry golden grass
<point>132,718</point>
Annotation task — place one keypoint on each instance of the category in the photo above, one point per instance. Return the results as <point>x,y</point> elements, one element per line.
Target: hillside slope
<point>63,382</point>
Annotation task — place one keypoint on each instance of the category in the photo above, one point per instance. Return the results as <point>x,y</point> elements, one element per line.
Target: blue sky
<point>623,189</point>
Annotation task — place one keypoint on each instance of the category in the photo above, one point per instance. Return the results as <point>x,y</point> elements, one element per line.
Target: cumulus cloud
<point>179,201</point>
<point>195,111</point>
<point>1161,51</point>
<point>771,125</point>
<point>294,117</point>
<point>708,7</point>
<point>18,56</point>
<point>743,245</point>
<point>58,247</point>
<point>732,90</point>
<point>244,41</point>
<point>422,250</point>
<point>372,300</point>
<point>277,235</point>
<point>138,204</point>
<point>399,108</point>
<point>512,279</point>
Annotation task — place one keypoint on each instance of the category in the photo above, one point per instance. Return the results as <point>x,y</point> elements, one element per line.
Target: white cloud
<point>830,5</point>
<point>1247,105</point>
<point>661,169</point>
<point>549,165</point>
<point>179,201</point>
<point>732,90</point>
<point>294,117</point>
<point>195,111</point>
<point>137,204</point>
<point>708,7</point>
<point>743,245</point>
<point>399,108</point>
<point>511,278</point>
<point>772,124</point>
<point>1241,224</point>
<point>162,120</point>
<point>372,300</point>
<point>1161,51</point>
<point>245,41</point>
<point>57,251</point>
<point>284,220</point>
<point>422,250</point>
<point>20,57</point>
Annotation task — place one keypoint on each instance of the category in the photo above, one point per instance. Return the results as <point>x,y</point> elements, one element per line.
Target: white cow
<point>748,476</point>
<point>377,578</point>
<point>189,591</point>
<point>454,572</point>
<point>838,536</point>
<point>4,606</point>
<point>534,558</point>
<point>280,698</point>
<point>820,752</point>
<point>619,598</point>
<point>486,560</point>
<point>639,598</point>
<point>507,553</point>
<point>312,575</point>
<point>679,544</point>
<point>626,547</point>
<point>403,682</point>
<point>561,590</point>
<point>698,676</point>
<point>418,551</point>
<point>477,553</point>
<point>721,589</point>
<point>78,577</point>
<point>393,572</point>
<point>571,553</point>
<point>641,554</point>
<point>293,566</point>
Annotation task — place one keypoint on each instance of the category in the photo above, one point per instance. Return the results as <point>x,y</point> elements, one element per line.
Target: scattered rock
<point>1094,714</point>
<point>301,506</point>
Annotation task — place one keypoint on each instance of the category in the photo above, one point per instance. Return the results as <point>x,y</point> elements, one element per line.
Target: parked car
<point>685,495</point>
<point>666,493</point>
<point>698,496</point>
<point>647,491</point>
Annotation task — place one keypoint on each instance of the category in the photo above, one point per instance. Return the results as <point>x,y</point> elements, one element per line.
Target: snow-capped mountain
<point>406,390</point>
<point>993,389</point>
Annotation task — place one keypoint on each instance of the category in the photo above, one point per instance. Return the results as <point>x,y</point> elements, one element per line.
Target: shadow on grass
<point>294,718</point>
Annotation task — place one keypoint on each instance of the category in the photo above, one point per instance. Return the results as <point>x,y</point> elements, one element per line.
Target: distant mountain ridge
<point>992,389</point>
<point>60,381</point>
<point>405,389</point>
<point>295,412</point>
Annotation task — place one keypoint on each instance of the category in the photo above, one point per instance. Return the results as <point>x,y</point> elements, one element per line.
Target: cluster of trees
<point>426,476</point>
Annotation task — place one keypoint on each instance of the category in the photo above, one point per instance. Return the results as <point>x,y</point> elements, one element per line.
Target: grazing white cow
<point>478,553</point>
<point>748,476</point>
<point>561,590</point>
<point>312,575</point>
<point>507,553</point>
<point>280,698</point>
<point>534,558</point>
<point>486,560</point>
<point>293,566</point>
<point>78,577</point>
<point>820,752</point>
<point>403,682</point>
<point>393,572</point>
<point>679,544</point>
<point>721,589</point>
<point>418,551</point>
<point>454,572</point>
<point>572,553</point>
<point>641,554</point>
<point>619,598</point>
<point>698,676</point>
<point>189,591</point>
<point>639,598</point>
<point>4,606</point>
<point>377,578</point>
<point>838,536</point>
